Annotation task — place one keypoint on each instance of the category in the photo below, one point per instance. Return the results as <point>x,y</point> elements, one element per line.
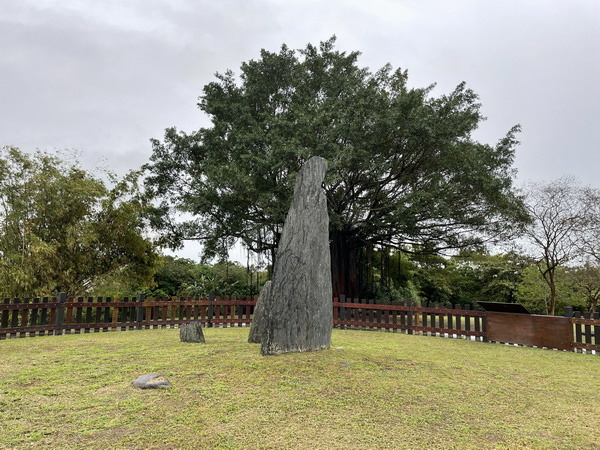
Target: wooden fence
<point>432,320</point>
<point>66,315</point>
<point>586,330</point>
<point>28,317</point>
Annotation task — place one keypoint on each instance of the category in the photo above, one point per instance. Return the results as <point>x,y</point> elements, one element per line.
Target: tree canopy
<point>404,169</point>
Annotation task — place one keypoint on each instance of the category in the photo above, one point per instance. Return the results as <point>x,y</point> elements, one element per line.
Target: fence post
<point>60,314</point>
<point>484,328</point>
<point>467,307</point>
<point>578,332</point>
<point>211,310</point>
<point>409,316</point>
<point>342,314</point>
<point>139,312</point>
<point>568,312</point>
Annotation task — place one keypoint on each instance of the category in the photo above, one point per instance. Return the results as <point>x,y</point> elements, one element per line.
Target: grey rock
<point>257,326</point>
<point>191,332</point>
<point>152,381</point>
<point>298,309</point>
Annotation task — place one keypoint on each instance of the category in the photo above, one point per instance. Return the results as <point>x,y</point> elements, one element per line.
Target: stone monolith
<point>298,310</point>
<point>257,327</point>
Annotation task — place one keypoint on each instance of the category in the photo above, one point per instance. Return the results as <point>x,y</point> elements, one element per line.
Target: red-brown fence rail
<point>27,317</point>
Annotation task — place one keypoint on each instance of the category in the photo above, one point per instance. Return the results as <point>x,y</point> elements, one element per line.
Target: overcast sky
<point>103,77</point>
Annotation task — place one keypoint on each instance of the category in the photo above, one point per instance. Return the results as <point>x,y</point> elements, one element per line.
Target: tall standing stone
<point>257,327</point>
<point>298,311</point>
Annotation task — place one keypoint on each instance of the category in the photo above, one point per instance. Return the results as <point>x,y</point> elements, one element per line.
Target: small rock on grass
<point>191,332</point>
<point>152,381</point>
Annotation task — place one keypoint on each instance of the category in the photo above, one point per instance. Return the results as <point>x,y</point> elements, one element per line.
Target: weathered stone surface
<point>257,327</point>
<point>152,381</point>
<point>191,332</point>
<point>298,309</point>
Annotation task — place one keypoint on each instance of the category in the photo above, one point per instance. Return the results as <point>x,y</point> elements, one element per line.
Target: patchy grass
<point>382,390</point>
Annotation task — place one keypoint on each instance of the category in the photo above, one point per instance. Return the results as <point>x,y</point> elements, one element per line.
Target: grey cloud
<point>104,77</point>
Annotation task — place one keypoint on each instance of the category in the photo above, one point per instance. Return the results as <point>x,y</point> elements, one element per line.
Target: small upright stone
<point>191,332</point>
<point>257,326</point>
<point>298,309</point>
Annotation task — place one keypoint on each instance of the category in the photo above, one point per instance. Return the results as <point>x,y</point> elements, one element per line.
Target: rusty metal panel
<point>532,330</point>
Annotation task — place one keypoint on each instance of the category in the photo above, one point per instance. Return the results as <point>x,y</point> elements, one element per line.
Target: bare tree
<point>589,239</point>
<point>559,213</point>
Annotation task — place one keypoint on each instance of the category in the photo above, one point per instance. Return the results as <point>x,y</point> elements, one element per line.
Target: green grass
<point>382,390</point>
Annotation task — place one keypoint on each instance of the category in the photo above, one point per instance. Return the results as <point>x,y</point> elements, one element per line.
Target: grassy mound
<point>382,390</point>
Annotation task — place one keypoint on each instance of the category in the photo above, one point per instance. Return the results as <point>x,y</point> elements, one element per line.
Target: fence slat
<point>139,311</point>
<point>79,314</point>
<point>122,317</point>
<point>597,330</point>
<point>409,317</point>
<point>68,317</point>
<point>4,319</point>
<point>578,332</point>
<point>14,320</point>
<point>467,318</point>
<point>587,329</point>
<point>35,313</point>
<point>88,313</point>
<point>60,314</point>
<point>24,317</point>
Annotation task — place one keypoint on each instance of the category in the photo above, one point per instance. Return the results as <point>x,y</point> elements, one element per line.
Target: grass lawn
<point>382,390</point>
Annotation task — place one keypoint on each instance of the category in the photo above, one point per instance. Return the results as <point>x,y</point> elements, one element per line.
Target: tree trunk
<point>552,284</point>
<point>344,264</point>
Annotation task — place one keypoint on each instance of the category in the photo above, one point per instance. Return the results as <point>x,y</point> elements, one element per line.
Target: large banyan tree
<point>404,170</point>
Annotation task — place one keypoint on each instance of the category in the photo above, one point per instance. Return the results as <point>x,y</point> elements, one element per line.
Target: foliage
<point>403,167</point>
<point>496,277</point>
<point>585,281</point>
<point>173,275</point>
<point>534,294</point>
<point>62,229</point>
<point>467,277</point>
<point>183,277</point>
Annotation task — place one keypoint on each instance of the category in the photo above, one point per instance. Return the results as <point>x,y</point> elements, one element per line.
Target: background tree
<point>184,277</point>
<point>496,276</point>
<point>404,169</point>
<point>534,294</point>
<point>62,229</point>
<point>585,281</point>
<point>559,213</point>
<point>588,240</point>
